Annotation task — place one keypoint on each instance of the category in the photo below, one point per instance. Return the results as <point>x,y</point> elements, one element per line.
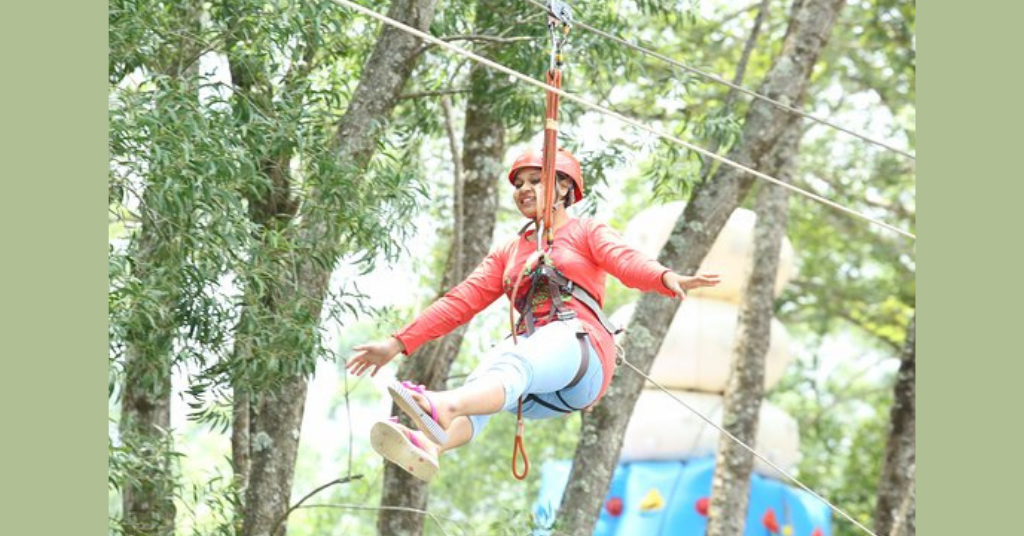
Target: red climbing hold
<point>702,506</point>
<point>817,532</point>
<point>770,522</point>
<point>614,507</point>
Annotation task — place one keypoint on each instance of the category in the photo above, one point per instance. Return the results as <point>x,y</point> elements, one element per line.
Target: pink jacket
<point>584,250</point>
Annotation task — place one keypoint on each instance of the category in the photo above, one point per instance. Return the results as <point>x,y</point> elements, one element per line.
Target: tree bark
<point>272,212</point>
<point>476,205</point>
<point>744,392</point>
<point>709,207</point>
<point>278,415</point>
<point>896,484</point>
<point>148,502</point>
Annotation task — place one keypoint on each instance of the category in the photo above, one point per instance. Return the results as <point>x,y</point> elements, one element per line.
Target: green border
<point>969,320</point>
<point>53,279</point>
<point>54,402</point>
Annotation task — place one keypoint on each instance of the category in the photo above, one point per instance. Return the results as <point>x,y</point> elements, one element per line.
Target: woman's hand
<point>373,355</point>
<point>679,284</point>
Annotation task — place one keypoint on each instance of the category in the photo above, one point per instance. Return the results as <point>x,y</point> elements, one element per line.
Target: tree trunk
<point>730,489</point>
<point>476,205</point>
<point>709,207</point>
<point>148,499</point>
<point>896,484</point>
<point>241,421</point>
<point>272,212</point>
<point>277,420</point>
<point>905,523</point>
<point>278,416</point>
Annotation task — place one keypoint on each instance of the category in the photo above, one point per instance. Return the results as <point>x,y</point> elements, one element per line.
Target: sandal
<point>402,394</point>
<point>403,449</point>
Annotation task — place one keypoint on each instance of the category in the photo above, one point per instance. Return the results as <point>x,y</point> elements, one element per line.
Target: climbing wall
<point>663,481</point>
<point>670,498</point>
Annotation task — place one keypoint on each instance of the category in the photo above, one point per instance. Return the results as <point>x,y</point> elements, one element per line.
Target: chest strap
<point>557,285</point>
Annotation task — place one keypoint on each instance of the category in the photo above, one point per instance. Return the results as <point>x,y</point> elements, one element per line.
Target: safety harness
<point>560,290</point>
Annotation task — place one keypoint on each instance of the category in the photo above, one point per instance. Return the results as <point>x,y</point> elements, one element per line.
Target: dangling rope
<point>559,24</point>
<point>547,172</point>
<point>518,447</point>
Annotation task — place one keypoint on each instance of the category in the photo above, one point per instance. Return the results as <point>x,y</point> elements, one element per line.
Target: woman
<point>559,363</point>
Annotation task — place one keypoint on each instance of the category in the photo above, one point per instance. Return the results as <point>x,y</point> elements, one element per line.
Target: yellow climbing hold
<point>787,530</point>
<point>652,502</point>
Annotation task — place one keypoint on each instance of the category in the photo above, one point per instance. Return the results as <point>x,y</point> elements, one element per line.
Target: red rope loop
<point>519,447</point>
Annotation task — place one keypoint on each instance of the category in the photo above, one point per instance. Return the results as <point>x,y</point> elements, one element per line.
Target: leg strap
<point>584,359</point>
<point>582,371</point>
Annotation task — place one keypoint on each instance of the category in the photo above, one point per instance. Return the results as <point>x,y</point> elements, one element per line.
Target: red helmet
<point>565,163</point>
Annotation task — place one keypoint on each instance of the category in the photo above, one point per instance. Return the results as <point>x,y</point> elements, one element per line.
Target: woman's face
<point>529,191</point>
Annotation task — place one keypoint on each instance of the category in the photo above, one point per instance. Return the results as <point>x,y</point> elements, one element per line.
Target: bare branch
<point>728,17</point>
<point>438,93</point>
<point>398,508</point>
<point>707,167</point>
<point>480,38</point>
<point>477,38</point>
<point>343,480</point>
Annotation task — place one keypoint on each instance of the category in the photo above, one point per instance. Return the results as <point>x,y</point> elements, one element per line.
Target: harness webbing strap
<point>580,373</point>
<point>558,283</point>
<point>586,299</point>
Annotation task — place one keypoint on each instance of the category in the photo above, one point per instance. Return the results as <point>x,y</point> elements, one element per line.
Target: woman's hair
<point>568,198</point>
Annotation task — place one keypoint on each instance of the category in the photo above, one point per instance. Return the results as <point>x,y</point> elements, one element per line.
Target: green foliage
<point>195,267</point>
<point>843,420</point>
<point>204,277</point>
<point>144,465</point>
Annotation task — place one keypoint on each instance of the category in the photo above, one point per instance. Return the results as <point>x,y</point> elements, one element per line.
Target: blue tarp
<point>659,498</point>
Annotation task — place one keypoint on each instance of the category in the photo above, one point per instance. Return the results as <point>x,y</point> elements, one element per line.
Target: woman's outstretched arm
<point>458,306</point>
<point>637,270</point>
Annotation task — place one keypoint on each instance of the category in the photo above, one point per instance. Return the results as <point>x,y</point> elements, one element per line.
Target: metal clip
<point>567,314</point>
<point>559,16</point>
<point>559,11</point>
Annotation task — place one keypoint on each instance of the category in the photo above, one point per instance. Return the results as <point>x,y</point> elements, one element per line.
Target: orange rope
<point>547,171</point>
<point>544,220</point>
<point>520,447</point>
<point>527,266</point>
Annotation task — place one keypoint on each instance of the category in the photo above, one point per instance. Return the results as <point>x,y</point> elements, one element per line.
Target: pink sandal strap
<point>421,389</point>
<point>412,437</point>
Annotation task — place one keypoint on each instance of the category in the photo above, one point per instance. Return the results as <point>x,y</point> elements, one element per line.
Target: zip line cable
<point>600,109</point>
<point>741,89</point>
<point>750,449</point>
